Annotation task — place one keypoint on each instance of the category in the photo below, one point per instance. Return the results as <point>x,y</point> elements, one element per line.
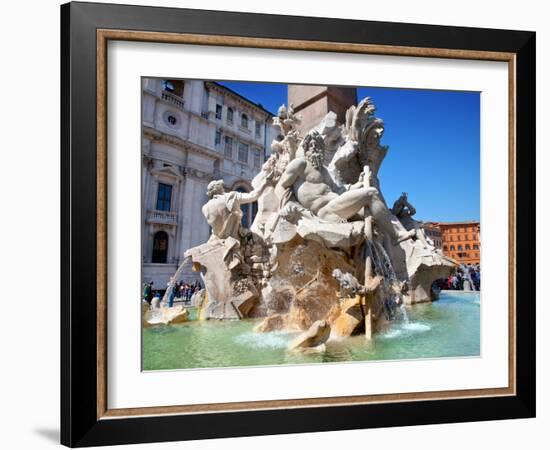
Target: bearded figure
<point>314,189</point>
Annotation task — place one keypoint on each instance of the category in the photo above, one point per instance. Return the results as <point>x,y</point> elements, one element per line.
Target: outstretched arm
<point>294,170</point>
<point>251,197</point>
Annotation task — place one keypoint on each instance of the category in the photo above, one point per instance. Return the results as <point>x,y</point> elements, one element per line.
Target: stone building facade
<point>193,132</point>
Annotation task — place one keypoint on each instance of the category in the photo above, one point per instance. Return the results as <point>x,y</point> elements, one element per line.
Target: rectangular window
<point>218,138</point>
<point>218,111</point>
<point>257,158</point>
<point>243,152</point>
<point>167,85</point>
<point>228,148</point>
<point>258,128</point>
<point>164,197</point>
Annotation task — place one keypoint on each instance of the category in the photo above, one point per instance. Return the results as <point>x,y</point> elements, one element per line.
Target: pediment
<point>170,171</point>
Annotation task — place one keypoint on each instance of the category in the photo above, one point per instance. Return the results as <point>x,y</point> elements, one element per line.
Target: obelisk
<point>314,102</point>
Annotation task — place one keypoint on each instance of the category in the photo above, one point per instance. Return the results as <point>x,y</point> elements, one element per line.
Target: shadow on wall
<point>50,434</point>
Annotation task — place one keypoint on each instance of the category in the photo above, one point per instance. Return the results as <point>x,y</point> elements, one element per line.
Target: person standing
<point>146,294</point>
<point>155,301</point>
<point>171,295</point>
<point>188,293</point>
<point>148,291</point>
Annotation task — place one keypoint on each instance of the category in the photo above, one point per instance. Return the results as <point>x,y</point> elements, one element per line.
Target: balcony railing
<point>164,217</point>
<point>172,98</point>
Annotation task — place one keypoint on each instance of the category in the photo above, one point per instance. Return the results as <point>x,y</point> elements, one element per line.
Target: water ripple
<point>264,340</point>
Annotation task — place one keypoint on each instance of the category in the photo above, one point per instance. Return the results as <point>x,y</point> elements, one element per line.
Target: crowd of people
<point>182,291</point>
<point>185,291</point>
<point>467,277</point>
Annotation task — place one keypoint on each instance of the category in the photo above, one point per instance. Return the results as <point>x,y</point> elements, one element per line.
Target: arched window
<point>468,247</point>
<point>476,247</point>
<point>444,248</point>
<point>230,115</point>
<point>452,248</point>
<point>160,247</point>
<point>460,248</point>
<point>244,121</point>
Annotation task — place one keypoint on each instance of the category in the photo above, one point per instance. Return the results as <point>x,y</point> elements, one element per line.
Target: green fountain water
<point>445,328</point>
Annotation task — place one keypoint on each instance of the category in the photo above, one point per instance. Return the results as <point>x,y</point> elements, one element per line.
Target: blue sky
<point>433,139</point>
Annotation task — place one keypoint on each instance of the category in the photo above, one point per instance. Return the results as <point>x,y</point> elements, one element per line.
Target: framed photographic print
<point>278,224</point>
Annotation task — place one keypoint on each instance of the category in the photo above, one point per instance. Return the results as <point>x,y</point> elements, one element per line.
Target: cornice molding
<point>238,99</point>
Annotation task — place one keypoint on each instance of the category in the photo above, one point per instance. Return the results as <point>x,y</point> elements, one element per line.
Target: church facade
<point>193,132</point>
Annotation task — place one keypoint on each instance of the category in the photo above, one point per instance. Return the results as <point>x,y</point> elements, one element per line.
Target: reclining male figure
<point>315,190</point>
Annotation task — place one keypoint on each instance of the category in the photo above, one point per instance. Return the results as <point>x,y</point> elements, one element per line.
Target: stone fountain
<point>325,251</point>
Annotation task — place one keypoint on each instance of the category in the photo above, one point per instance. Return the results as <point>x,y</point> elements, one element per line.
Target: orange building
<point>461,240</point>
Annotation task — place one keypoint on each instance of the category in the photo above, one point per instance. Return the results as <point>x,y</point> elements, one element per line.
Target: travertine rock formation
<point>165,315</point>
<point>314,338</point>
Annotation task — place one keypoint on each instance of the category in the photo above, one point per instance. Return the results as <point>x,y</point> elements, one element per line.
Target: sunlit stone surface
<point>325,245</point>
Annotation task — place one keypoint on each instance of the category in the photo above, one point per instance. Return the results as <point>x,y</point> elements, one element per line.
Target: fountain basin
<point>449,327</point>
